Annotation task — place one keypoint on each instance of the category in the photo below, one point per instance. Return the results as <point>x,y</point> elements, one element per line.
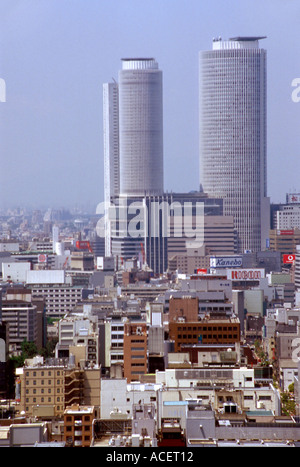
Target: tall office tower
<point>233,135</point>
<point>133,153</point>
<point>111,140</point>
<point>111,150</point>
<point>141,127</point>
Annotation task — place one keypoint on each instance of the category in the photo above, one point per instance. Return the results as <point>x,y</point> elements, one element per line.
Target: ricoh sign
<point>245,274</point>
<point>226,261</point>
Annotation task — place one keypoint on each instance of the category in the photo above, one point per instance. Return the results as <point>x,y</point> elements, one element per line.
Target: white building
<point>16,271</point>
<point>111,150</point>
<point>133,142</point>
<point>233,135</point>
<point>288,217</point>
<point>208,385</point>
<point>111,140</point>
<point>118,397</point>
<point>60,296</point>
<point>141,127</point>
<point>78,334</point>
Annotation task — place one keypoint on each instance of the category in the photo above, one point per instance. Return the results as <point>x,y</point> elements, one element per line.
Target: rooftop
<point>247,38</point>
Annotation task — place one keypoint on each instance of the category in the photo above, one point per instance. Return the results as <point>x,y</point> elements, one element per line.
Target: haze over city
<point>56,55</point>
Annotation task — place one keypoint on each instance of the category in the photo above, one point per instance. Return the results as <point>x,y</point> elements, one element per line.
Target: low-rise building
<point>47,388</point>
<point>207,331</point>
<point>78,425</point>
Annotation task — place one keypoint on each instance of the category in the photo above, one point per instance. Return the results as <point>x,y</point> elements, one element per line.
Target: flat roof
<point>247,38</point>
<point>137,58</point>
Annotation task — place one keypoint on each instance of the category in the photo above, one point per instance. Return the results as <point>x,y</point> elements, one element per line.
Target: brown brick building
<point>210,331</point>
<point>135,350</point>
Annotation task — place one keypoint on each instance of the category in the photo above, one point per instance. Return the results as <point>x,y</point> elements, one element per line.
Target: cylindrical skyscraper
<point>233,135</point>
<point>140,127</point>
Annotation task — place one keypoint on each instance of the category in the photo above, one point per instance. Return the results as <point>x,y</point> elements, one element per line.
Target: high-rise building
<point>111,140</point>
<point>133,153</point>
<point>141,127</point>
<point>233,135</point>
<point>111,150</point>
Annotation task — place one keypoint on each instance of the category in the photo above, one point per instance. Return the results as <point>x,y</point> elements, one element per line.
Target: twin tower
<point>232,117</point>
<point>133,130</point>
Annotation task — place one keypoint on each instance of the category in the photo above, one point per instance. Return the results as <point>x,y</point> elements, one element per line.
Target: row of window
<point>43,373</point>
<point>42,391</point>
<point>43,399</point>
<point>207,328</point>
<point>207,336</point>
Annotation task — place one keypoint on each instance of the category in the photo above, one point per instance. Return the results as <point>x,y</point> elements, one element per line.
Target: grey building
<point>233,135</point>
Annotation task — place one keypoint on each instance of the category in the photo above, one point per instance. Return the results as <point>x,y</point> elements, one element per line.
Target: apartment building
<point>60,299</point>
<point>48,388</point>
<point>78,336</point>
<point>78,425</point>
<point>22,323</point>
<point>42,391</point>
<point>135,350</point>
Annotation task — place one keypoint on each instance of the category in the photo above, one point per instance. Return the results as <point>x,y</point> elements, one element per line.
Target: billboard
<point>226,262</point>
<point>42,258</point>
<point>288,259</point>
<point>285,232</point>
<point>45,276</point>
<point>293,198</point>
<point>245,274</point>
<point>83,245</point>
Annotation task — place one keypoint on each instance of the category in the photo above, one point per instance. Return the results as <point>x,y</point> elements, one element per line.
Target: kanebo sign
<point>245,274</point>
<point>226,261</point>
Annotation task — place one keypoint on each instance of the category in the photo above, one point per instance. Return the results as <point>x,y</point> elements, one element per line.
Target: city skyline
<point>51,122</point>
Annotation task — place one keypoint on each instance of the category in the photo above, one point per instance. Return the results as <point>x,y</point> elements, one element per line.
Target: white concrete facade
<point>141,127</point>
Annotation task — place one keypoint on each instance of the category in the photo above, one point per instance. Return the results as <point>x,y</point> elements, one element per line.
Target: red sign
<point>201,271</point>
<point>288,259</point>
<point>245,274</point>
<point>285,232</point>
<point>42,258</point>
<point>82,245</point>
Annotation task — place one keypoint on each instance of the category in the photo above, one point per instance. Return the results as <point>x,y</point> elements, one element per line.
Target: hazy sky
<point>56,54</point>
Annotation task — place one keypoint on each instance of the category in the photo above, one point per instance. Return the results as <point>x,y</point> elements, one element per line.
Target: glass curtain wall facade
<point>233,135</point>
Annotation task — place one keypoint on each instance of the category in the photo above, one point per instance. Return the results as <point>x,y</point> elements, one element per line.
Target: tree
<point>29,349</point>
<point>288,403</point>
